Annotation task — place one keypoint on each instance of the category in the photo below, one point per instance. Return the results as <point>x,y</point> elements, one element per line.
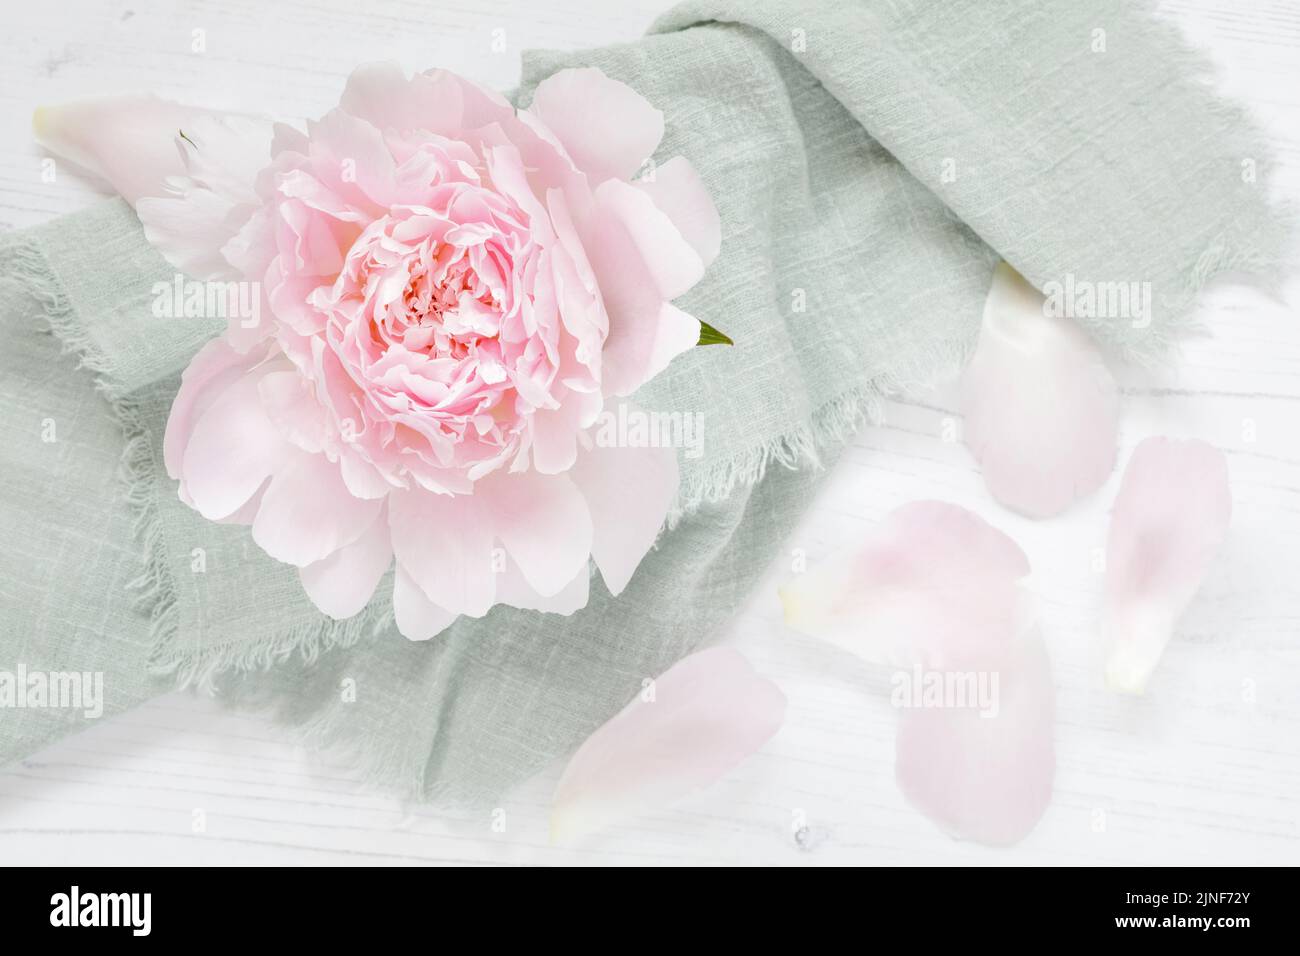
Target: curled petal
<point>607,128</point>
<point>1170,519</point>
<point>689,727</point>
<point>1041,408</point>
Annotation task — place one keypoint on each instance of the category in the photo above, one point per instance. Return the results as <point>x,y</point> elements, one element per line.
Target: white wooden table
<point>1204,769</point>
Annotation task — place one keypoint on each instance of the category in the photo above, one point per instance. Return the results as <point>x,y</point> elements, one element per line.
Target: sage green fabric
<point>871,161</point>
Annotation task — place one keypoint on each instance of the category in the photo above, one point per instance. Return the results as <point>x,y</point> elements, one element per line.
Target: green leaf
<point>187,139</point>
<point>711,336</point>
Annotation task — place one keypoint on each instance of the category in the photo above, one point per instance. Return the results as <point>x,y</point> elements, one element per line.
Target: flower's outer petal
<point>342,584</point>
<point>1170,518</point>
<point>384,96</point>
<point>417,618</point>
<point>643,344</point>
<point>445,545</point>
<point>307,511</point>
<point>607,128</point>
<point>543,522</point>
<point>513,589</point>
<point>983,770</point>
<point>672,264</point>
<point>211,371</point>
<point>695,723</point>
<point>681,195</point>
<point>932,584</point>
<point>189,231</point>
<point>628,492</point>
<point>128,140</point>
<point>645,332</point>
<point>1041,408</point>
<point>232,449</point>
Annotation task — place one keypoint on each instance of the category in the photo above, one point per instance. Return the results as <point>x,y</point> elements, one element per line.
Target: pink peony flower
<point>452,291</point>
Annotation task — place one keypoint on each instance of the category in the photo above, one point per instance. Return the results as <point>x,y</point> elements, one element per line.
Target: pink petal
<point>935,591</point>
<point>607,128</point>
<point>383,95</point>
<point>445,543</point>
<point>931,584</point>
<point>627,214</point>
<point>231,451</point>
<point>342,584</point>
<point>205,209</point>
<point>984,774</point>
<point>543,522</point>
<point>417,618</point>
<point>514,590</point>
<point>211,371</point>
<point>1041,408</point>
<point>681,195</point>
<point>128,140</point>
<point>708,713</point>
<point>290,403</point>
<point>1170,518</point>
<point>308,513</point>
<point>555,433</point>
<point>628,492</point>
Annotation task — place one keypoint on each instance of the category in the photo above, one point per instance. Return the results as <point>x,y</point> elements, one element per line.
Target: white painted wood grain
<point>1205,768</point>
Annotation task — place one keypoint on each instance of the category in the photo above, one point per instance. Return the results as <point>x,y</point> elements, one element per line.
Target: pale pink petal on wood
<point>1041,408</point>
<point>692,725</point>
<point>932,584</point>
<point>936,591</point>
<point>1169,521</point>
<point>985,774</point>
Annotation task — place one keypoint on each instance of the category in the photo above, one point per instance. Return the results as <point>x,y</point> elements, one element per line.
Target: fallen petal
<point>1170,518</point>
<point>936,593</point>
<point>686,729</point>
<point>984,772</point>
<point>933,584</point>
<point>1041,408</point>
